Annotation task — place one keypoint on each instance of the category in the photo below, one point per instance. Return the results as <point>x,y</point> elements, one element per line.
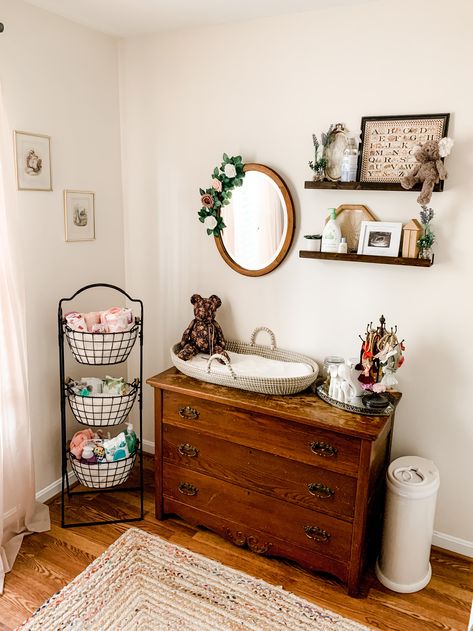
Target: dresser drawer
<point>309,529</point>
<point>304,443</point>
<point>289,480</point>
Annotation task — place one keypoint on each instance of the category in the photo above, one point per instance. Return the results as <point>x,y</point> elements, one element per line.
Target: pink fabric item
<point>116,319</point>
<point>76,321</point>
<point>78,442</point>
<point>92,318</point>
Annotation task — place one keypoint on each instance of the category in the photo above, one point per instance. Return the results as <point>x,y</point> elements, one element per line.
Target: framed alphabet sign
<point>388,143</point>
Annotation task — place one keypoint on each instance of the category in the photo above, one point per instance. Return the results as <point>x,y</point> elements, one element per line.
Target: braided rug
<point>143,583</point>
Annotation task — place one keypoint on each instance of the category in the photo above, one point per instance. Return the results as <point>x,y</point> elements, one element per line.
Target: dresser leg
<point>354,590</point>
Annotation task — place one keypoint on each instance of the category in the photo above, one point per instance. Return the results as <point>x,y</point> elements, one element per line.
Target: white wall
<point>261,89</point>
<point>61,79</point>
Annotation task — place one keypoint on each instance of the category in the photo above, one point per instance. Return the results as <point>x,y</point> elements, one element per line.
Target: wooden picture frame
<point>380,238</point>
<point>388,143</point>
<point>32,161</point>
<point>79,215</point>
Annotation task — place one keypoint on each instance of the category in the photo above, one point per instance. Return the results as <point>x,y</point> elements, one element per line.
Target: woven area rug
<point>142,582</point>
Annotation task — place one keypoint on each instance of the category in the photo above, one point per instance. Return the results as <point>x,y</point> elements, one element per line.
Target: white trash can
<point>404,562</point>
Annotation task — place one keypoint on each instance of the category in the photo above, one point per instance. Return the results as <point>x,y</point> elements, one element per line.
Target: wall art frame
<point>79,215</point>
<point>32,161</point>
<point>380,238</point>
<point>388,143</point>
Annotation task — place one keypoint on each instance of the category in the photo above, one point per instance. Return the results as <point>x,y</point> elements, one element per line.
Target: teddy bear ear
<point>195,298</point>
<point>216,300</point>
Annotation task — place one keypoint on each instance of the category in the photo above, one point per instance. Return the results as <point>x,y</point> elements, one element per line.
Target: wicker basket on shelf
<point>100,349</point>
<point>104,410</point>
<point>264,385</point>
<point>102,475</point>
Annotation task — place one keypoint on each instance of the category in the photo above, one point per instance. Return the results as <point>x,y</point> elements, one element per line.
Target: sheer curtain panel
<point>20,514</point>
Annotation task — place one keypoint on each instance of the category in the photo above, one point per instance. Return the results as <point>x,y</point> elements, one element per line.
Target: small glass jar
<point>331,360</point>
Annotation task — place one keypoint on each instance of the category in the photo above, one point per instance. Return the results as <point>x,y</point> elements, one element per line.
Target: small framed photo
<point>79,215</point>
<point>380,238</point>
<point>388,143</point>
<point>32,161</point>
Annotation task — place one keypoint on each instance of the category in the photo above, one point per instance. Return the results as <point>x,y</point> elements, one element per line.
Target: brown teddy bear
<point>430,169</point>
<point>204,334</point>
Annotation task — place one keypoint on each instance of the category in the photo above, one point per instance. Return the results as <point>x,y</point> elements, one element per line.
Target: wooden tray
<point>349,218</point>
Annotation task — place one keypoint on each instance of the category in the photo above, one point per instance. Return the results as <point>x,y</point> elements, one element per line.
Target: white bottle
<point>331,235</point>
<point>343,246</point>
<point>349,161</point>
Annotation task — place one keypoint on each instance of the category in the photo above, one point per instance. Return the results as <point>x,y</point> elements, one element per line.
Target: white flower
<point>445,146</point>
<point>229,170</point>
<point>210,222</point>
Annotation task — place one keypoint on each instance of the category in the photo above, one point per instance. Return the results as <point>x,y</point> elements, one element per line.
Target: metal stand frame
<point>65,487</point>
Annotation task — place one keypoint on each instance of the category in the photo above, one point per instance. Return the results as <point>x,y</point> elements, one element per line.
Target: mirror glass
<point>259,222</point>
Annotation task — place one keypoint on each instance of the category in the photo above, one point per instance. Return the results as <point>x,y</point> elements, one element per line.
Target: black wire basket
<point>101,349</point>
<point>102,475</point>
<point>102,411</point>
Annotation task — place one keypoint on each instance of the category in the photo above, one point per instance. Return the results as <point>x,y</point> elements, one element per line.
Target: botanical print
<point>33,162</point>
<point>79,215</point>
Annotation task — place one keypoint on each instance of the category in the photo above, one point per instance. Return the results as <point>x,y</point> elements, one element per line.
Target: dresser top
<point>305,407</point>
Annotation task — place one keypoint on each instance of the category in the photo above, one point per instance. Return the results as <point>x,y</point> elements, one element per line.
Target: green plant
<point>319,163</point>
<point>224,179</point>
<point>427,240</point>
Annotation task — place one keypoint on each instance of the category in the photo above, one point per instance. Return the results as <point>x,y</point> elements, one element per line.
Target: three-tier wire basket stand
<point>100,349</point>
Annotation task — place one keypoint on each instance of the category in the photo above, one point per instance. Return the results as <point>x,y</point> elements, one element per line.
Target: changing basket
<point>276,385</point>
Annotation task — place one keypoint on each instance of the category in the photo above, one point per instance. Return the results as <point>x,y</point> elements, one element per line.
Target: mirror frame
<point>252,166</point>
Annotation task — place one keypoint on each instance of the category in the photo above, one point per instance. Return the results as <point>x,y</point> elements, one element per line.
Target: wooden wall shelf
<point>366,186</point>
<point>363,258</point>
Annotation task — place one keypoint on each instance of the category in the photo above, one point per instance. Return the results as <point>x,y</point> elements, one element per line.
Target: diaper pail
<point>404,562</point>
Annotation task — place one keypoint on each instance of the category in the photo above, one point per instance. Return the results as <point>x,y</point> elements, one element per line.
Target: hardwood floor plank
<point>48,561</point>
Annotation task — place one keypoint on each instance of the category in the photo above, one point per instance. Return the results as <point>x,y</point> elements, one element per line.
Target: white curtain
<point>20,514</point>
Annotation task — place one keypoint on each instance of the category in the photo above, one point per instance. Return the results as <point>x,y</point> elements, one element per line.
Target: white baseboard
<point>454,544</point>
<point>53,489</point>
<point>148,446</point>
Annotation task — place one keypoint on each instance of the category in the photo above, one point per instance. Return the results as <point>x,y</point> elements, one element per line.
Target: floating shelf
<point>367,186</point>
<point>364,258</point>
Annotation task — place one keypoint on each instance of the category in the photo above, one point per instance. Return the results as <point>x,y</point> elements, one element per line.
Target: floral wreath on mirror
<point>225,178</point>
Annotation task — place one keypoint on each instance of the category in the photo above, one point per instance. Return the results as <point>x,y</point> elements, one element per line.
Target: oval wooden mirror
<point>259,223</point>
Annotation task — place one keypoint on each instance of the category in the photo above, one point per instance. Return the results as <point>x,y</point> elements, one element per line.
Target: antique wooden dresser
<point>287,476</point>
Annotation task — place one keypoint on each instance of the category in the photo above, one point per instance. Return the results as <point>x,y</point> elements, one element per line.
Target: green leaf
<point>225,157</point>
<point>215,173</point>
<point>201,191</point>
<point>209,231</point>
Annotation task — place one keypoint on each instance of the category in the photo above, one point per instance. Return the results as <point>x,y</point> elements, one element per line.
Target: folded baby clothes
<point>76,321</point>
<point>113,320</point>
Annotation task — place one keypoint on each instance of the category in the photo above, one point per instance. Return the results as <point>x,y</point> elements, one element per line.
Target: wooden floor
<point>48,561</point>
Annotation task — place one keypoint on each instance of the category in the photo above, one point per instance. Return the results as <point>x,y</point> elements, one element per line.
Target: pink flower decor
<point>217,185</point>
<point>207,200</point>
<point>378,387</point>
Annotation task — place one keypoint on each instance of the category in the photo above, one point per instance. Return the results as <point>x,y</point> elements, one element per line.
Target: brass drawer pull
<point>320,490</point>
<point>323,449</point>
<point>188,412</point>
<point>317,534</point>
<point>186,449</point>
<point>187,489</point>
